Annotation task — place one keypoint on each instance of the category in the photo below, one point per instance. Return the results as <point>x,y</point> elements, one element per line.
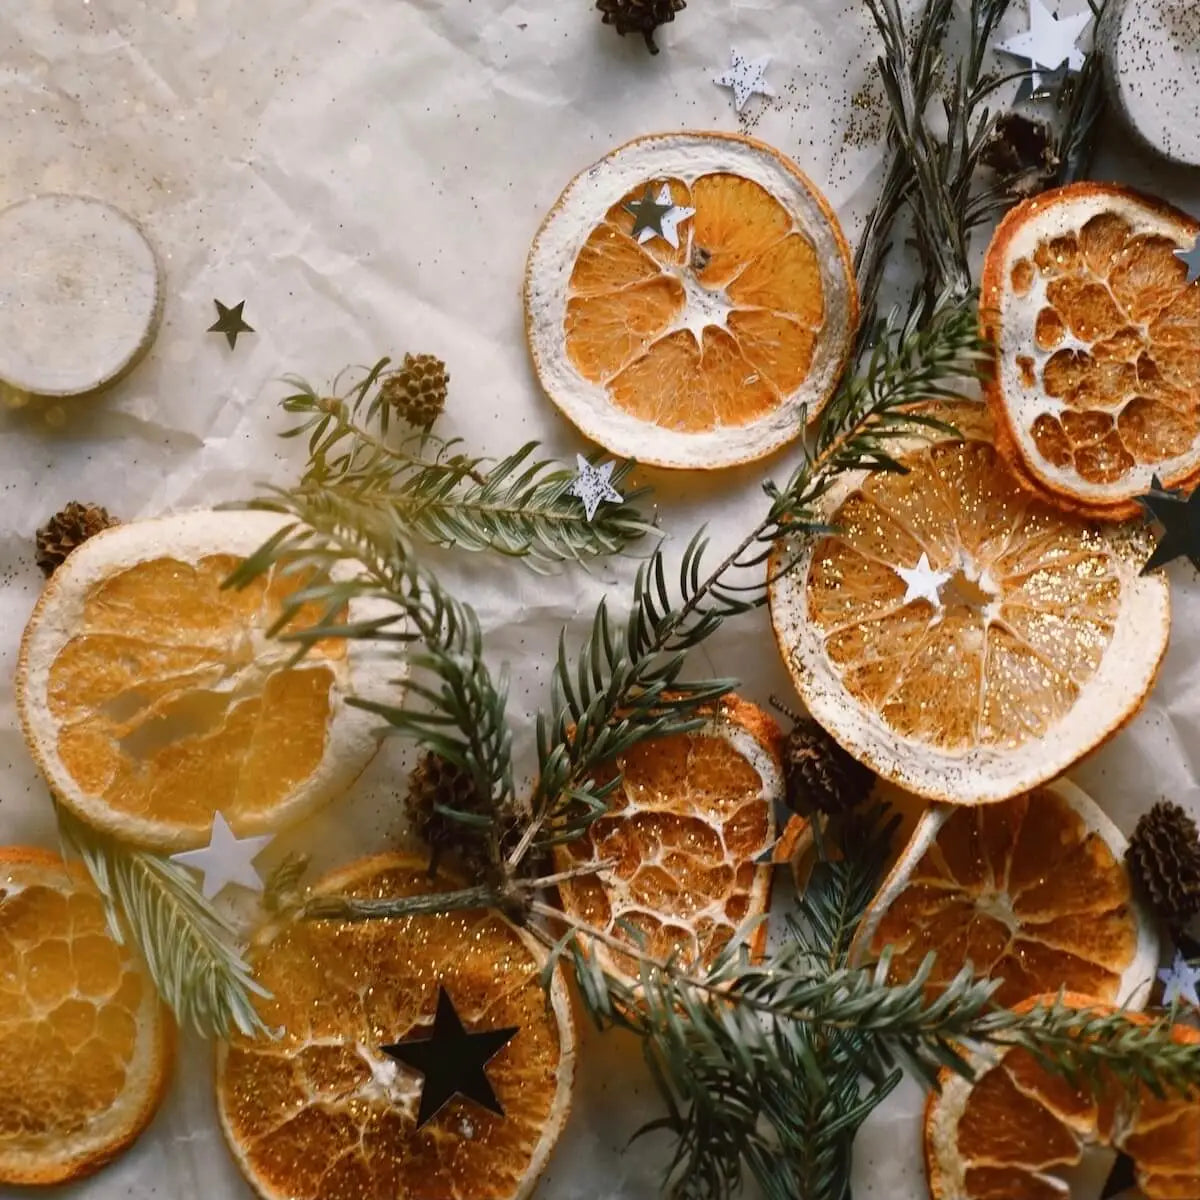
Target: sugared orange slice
<point>1032,891</point>
<point>693,814</point>
<point>321,1113</point>
<point>1097,344</point>
<point>1020,1133</point>
<point>706,352</point>
<point>152,699</point>
<point>961,637</point>
<point>85,1045</point>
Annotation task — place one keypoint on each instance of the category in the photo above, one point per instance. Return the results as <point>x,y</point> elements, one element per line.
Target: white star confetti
<point>1191,258</point>
<point>593,485</point>
<point>669,222</point>
<point>1049,42</point>
<point>1180,980</point>
<point>922,581</point>
<point>226,859</point>
<point>746,77</point>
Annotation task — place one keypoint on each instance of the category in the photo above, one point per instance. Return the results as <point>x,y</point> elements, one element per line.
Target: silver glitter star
<point>1180,980</point>
<point>593,485</point>
<point>746,77</point>
<point>922,581</point>
<point>1192,259</point>
<point>1049,40</point>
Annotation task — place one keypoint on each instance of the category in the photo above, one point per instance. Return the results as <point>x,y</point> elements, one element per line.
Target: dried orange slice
<point>321,1113</point>
<point>1032,891</point>
<point>963,638</point>
<point>152,699</point>
<point>1097,337</point>
<point>1020,1133</point>
<point>85,1045</point>
<point>705,353</point>
<point>691,817</point>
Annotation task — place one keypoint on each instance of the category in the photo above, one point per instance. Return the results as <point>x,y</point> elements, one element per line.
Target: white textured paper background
<point>367,175</point>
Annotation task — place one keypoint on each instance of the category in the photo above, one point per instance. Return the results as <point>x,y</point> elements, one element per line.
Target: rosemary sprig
<point>518,506</point>
<point>190,950</point>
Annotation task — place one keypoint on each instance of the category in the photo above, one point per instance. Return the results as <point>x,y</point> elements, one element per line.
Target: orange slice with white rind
<point>85,1044</point>
<point>1031,891</point>
<point>320,1113</point>
<point>153,699</point>
<point>1017,639</point>
<point>1097,346</point>
<point>706,354</point>
<point>1018,1132</point>
<point>687,826</point>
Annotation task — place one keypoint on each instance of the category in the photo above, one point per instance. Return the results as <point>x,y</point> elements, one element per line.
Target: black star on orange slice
<point>229,322</point>
<point>1179,516</point>
<point>648,214</point>
<point>452,1061</point>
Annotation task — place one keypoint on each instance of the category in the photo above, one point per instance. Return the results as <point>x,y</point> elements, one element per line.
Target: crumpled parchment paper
<point>368,175</point>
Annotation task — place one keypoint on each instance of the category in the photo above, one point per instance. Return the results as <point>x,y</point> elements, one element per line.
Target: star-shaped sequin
<point>452,1061</point>
<point>593,485</point>
<point>1045,85</point>
<point>226,859</point>
<point>1191,259</point>
<point>658,217</point>
<point>747,77</point>
<point>1049,41</point>
<point>1180,981</point>
<point>922,581</point>
<point>1179,516</point>
<point>230,322</point>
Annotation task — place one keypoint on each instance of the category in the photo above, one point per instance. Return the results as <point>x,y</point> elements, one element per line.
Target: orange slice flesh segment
<point>84,1043</point>
<point>1098,336</point>
<point>321,1112</point>
<point>691,817</point>
<point>1010,1134</point>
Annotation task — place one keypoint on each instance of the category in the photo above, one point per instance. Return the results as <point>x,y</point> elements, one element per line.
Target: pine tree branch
<point>190,951</point>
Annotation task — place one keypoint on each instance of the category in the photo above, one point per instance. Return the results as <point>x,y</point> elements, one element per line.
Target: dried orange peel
<point>709,353</point>
<point>320,1113</point>
<point>1019,1133</point>
<point>687,827</point>
<point>85,1044</point>
<point>961,637</point>
<point>1097,346</point>
<point>1031,891</point>
<point>151,698</point>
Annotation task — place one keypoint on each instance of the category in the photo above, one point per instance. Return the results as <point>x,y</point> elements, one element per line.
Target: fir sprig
<point>428,489</point>
<point>190,950</point>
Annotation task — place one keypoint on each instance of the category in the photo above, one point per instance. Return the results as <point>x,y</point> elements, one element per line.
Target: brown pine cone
<point>67,529</point>
<point>819,774</point>
<point>417,390</point>
<point>640,16</point>
<point>1164,858</point>
<point>437,781</point>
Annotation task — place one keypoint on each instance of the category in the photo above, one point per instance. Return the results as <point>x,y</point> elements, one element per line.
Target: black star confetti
<point>1179,516</point>
<point>1123,1177</point>
<point>1048,85</point>
<point>452,1061</point>
<point>648,213</point>
<point>229,322</point>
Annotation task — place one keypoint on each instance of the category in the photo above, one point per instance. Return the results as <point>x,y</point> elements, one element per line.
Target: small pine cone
<point>1021,153</point>
<point>1164,858</point>
<point>437,781</point>
<point>68,529</point>
<point>640,16</point>
<point>819,774</point>
<point>417,391</point>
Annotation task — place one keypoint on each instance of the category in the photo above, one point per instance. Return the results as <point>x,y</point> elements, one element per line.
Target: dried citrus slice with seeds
<point>1031,891</point>
<point>687,825</point>
<point>85,1044</point>
<point>1097,345</point>
<point>152,698</point>
<point>320,1113</point>
<point>1018,1132</point>
<point>700,354</point>
<point>960,636</point>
